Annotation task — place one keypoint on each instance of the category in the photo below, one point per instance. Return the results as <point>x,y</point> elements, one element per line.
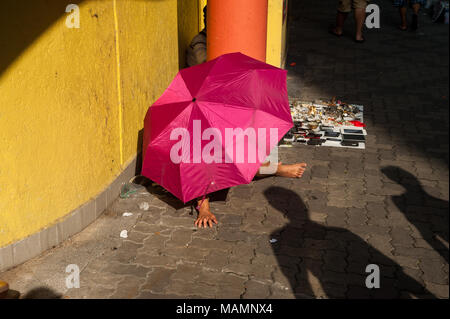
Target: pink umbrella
<point>215,125</point>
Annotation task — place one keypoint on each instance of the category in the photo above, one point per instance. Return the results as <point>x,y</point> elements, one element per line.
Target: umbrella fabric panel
<point>176,92</point>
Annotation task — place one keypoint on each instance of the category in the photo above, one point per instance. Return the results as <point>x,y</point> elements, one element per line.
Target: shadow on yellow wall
<point>188,26</point>
<point>22,22</point>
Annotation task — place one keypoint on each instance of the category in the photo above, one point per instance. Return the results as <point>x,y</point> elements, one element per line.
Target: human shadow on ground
<point>427,213</point>
<point>42,293</point>
<point>320,260</point>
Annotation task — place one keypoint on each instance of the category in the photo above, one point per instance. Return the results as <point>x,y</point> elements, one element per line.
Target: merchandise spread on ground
<point>321,123</point>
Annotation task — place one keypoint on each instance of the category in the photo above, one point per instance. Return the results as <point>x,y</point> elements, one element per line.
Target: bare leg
<point>404,23</point>
<point>360,17</point>
<point>290,170</point>
<point>205,218</point>
<point>340,19</point>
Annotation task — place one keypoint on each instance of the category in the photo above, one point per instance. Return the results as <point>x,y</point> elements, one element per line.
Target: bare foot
<point>292,170</point>
<point>205,218</point>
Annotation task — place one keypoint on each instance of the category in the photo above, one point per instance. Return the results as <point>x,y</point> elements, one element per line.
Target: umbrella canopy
<point>215,125</point>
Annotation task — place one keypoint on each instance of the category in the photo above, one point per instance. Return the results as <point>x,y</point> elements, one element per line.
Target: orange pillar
<point>237,26</point>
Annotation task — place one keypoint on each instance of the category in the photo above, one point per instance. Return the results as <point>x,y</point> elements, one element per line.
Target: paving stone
<point>256,290</point>
<point>169,221</point>
<point>261,273</point>
<point>231,220</point>
<point>145,294</point>
<point>414,252</point>
<point>335,261</point>
<point>147,260</point>
<point>137,237</point>
<point>197,290</point>
<point>127,269</point>
<point>301,252</point>
<point>237,268</point>
<point>148,228</point>
<point>155,241</point>
<point>186,253</point>
<point>187,272</point>
<point>128,288</point>
<point>230,292</point>
<point>216,260</point>
<point>433,271</point>
<point>180,238</point>
<point>242,253</point>
<point>105,279</point>
<point>97,292</point>
<point>440,291</point>
<point>231,234</point>
<point>409,262</point>
<point>158,280</point>
<point>357,292</point>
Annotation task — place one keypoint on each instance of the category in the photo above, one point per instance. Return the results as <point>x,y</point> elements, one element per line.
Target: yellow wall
<point>148,60</point>
<point>276,33</point>
<point>201,20</point>
<point>71,103</point>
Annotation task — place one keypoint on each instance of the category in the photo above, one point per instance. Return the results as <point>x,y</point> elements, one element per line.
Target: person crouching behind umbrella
<point>206,219</point>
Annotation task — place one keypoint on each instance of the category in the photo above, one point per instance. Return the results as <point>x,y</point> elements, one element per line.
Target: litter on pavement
<point>124,234</point>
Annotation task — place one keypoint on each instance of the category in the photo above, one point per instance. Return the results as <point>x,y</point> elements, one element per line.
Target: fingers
<point>205,222</point>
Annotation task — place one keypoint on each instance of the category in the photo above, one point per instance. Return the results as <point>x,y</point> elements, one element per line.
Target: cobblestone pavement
<point>386,205</point>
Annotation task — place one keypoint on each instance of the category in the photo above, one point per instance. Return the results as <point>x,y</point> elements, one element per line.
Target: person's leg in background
<point>344,8</point>
<point>415,18</point>
<point>359,7</point>
<point>404,22</point>
<point>360,18</point>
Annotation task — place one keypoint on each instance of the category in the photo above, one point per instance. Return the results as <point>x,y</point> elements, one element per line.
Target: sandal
<point>360,41</point>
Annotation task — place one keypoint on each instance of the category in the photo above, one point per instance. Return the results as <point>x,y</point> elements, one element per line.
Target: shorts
<point>347,5</point>
<point>404,3</point>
